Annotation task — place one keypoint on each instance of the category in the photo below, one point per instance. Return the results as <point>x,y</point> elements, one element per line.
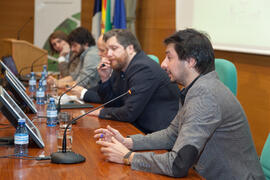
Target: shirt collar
<point>184,91</point>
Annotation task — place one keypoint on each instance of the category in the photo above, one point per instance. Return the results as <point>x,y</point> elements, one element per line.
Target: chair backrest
<point>265,158</point>
<point>227,74</point>
<point>155,58</point>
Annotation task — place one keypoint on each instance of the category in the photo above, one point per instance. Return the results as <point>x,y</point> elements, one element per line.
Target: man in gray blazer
<point>210,133</point>
<point>83,46</point>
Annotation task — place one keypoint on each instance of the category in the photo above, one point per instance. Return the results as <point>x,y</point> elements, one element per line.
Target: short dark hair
<point>81,36</point>
<point>190,43</point>
<point>57,34</point>
<point>124,37</point>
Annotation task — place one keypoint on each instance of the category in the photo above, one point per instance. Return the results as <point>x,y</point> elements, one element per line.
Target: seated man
<point>155,101</point>
<point>58,42</point>
<point>82,45</point>
<point>210,133</point>
<point>91,95</point>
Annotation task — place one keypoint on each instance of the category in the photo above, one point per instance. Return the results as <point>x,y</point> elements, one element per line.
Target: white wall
<point>234,25</point>
<point>49,14</point>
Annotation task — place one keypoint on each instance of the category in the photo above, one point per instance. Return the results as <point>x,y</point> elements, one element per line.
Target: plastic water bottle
<point>40,95</point>
<point>43,79</point>
<point>51,113</point>
<point>32,85</point>
<point>45,70</point>
<point>21,139</point>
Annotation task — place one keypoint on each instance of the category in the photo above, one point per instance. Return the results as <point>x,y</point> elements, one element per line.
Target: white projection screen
<point>233,25</point>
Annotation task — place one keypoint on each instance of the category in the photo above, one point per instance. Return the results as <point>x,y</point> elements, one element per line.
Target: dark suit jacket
<point>154,103</point>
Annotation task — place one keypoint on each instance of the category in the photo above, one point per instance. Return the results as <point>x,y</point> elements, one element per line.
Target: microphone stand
<point>88,75</point>
<point>18,33</point>
<point>71,157</point>
<point>39,65</point>
<point>32,66</point>
<point>25,77</point>
<point>59,104</point>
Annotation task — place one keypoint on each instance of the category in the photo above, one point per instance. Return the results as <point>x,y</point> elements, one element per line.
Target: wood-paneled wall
<point>253,92</point>
<point>13,15</point>
<point>155,21</point>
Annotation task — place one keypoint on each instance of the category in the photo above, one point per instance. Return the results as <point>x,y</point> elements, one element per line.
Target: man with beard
<point>210,133</point>
<point>82,45</point>
<point>90,95</point>
<point>154,102</point>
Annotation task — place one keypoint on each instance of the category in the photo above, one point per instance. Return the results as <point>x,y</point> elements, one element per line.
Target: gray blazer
<point>87,66</point>
<point>213,121</point>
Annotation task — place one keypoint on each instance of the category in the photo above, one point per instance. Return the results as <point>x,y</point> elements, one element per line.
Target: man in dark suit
<point>154,102</point>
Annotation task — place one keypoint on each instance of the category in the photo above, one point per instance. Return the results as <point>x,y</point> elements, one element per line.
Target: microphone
<point>32,65</point>
<point>58,104</point>
<point>72,157</point>
<point>19,31</point>
<point>27,67</point>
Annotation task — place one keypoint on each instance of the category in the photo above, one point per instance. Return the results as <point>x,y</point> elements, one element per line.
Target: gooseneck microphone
<point>32,65</point>
<point>72,157</point>
<point>38,65</point>
<point>59,104</point>
<point>19,31</point>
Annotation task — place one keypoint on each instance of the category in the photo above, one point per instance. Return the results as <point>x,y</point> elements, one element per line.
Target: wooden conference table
<point>95,166</point>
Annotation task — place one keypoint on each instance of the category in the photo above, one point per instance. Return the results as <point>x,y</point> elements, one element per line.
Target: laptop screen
<point>9,62</point>
<point>22,98</point>
<point>5,68</point>
<point>13,112</point>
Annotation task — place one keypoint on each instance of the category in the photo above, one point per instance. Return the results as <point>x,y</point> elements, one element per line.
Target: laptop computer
<point>13,112</point>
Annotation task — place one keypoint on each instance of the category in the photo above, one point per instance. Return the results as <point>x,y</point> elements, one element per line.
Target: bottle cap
<point>21,120</point>
<point>51,99</point>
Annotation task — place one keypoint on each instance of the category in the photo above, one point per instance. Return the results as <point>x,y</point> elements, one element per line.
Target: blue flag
<point>119,18</point>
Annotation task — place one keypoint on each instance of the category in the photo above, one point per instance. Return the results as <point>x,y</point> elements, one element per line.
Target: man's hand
<point>108,133</point>
<point>51,80</point>
<point>65,49</point>
<point>114,151</point>
<point>104,69</point>
<point>77,91</point>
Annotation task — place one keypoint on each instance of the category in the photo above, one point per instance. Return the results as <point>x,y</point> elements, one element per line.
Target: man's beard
<point>80,52</point>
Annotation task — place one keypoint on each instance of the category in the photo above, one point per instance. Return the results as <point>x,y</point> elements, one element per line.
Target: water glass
<point>64,119</point>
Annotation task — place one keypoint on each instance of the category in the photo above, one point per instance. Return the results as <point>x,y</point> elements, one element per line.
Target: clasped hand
<point>112,143</point>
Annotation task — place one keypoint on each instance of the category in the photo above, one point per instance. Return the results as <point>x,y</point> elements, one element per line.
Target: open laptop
<point>22,98</point>
<point>13,112</point>
<point>6,68</point>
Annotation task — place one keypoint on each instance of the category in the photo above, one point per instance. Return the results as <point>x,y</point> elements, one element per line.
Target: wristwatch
<point>126,158</point>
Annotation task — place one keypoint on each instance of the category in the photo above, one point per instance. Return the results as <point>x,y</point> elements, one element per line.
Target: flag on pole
<point>106,24</point>
<point>96,19</point>
<point>119,18</point>
<point>108,14</point>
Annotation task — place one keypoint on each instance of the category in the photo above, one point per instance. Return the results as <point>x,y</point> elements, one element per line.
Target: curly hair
<point>81,36</point>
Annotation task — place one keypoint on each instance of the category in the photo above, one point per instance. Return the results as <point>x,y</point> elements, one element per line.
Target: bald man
<point>91,94</point>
